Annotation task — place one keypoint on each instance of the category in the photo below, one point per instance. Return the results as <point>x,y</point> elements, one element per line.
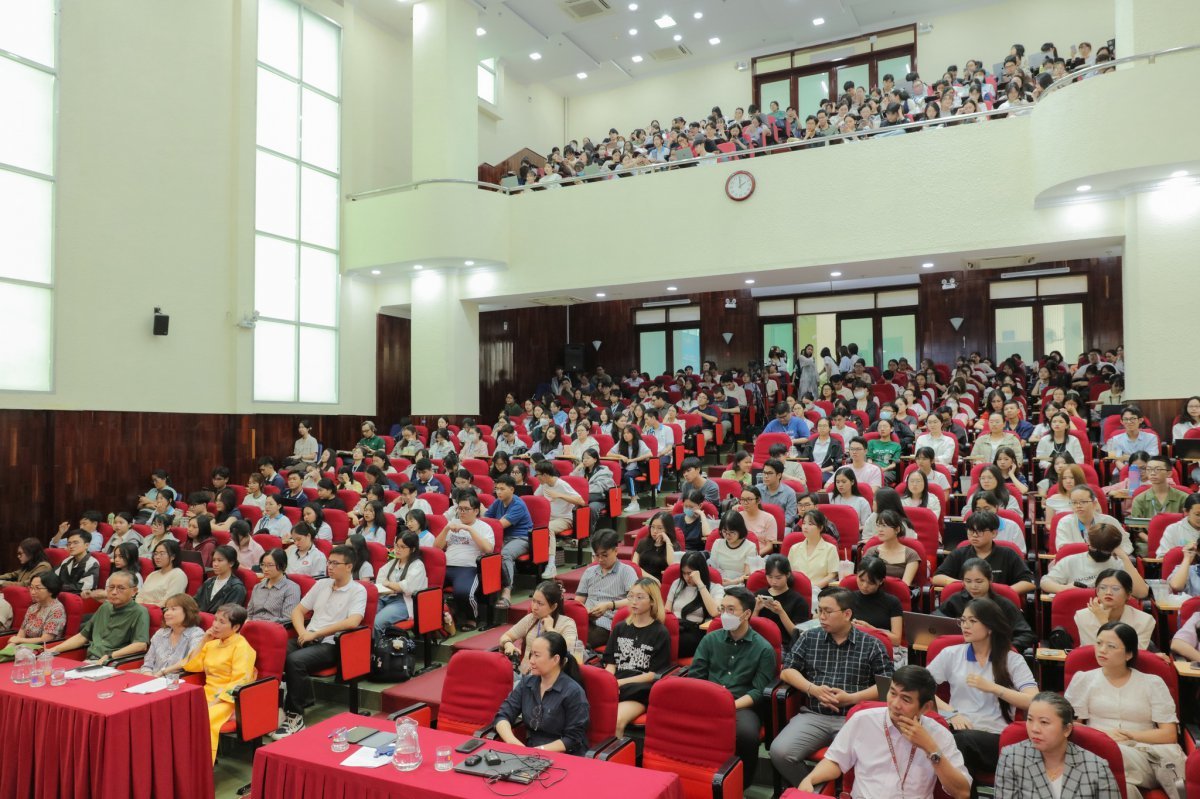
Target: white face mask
<point>860,394</point>
<point>730,621</point>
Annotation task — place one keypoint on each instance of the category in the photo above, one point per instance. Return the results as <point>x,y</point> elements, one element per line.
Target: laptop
<point>1110,410</point>
<point>522,769</point>
<point>1187,449</point>
<point>918,624</point>
<point>883,685</point>
<point>191,556</point>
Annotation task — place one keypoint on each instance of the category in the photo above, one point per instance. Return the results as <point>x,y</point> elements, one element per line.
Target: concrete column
<point>445,135</point>
<point>1146,25</point>
<point>1159,277</point>
<point>445,346</point>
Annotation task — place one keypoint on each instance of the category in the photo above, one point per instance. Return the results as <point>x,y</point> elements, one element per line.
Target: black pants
<point>980,750</point>
<point>301,662</point>
<point>749,724</point>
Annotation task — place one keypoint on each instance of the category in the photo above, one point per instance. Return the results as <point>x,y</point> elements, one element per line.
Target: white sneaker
<point>550,572</point>
<point>292,724</point>
<point>633,507</point>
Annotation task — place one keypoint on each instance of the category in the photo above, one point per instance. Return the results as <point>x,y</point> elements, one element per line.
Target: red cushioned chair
<point>1096,742</point>
<point>427,620</point>
<point>268,541</point>
<point>354,650</point>
<point>491,576</point>
<point>539,538</point>
<point>256,704</point>
<point>1193,767</point>
<point>892,585</point>
<point>378,555</point>
<point>762,447</point>
<point>698,747</point>
<point>349,497</point>
<point>1064,607</point>
<point>845,520</point>
<point>602,693</point>
<point>1084,659</point>
<point>56,556</point>
<point>339,523</point>
<point>1158,525</point>
<point>476,684</point>
<point>195,575</point>
<point>17,596</point>
<point>999,589</point>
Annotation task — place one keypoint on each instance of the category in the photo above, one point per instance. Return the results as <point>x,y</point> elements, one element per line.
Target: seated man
<point>877,740</point>
<point>835,666</point>
<point>327,496</point>
<point>80,571</point>
<point>423,478</point>
<point>1161,497</point>
<point>1104,552</point>
<point>514,517</point>
<point>89,523</point>
<point>1132,439</point>
<point>1008,567</point>
<point>293,496</point>
<point>741,660</point>
<point>785,421</point>
<point>1013,421</point>
<point>266,468</point>
<point>119,627</point>
<point>337,604</point>
<point>604,586</point>
<point>1009,530</point>
<point>776,492</point>
<point>692,474</point>
<point>563,502</point>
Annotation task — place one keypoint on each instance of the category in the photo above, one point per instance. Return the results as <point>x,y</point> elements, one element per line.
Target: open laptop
<point>1110,410</point>
<point>918,624</point>
<point>522,769</point>
<point>191,556</point>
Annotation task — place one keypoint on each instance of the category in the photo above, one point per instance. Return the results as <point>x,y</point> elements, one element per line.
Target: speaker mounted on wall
<point>162,322</point>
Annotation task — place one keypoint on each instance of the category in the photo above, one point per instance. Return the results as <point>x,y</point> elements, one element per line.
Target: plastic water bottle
<point>1135,477</point>
<point>579,651</point>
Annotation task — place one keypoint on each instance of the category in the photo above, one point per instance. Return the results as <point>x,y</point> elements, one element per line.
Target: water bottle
<point>23,663</point>
<point>1135,477</point>
<point>408,747</point>
<point>579,651</point>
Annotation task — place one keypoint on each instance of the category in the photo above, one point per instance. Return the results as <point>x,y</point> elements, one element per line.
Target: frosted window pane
<point>318,365</point>
<point>321,53</point>
<point>275,278</point>
<point>320,131</point>
<point>274,362</point>
<point>27,108</point>
<point>685,346</point>
<point>276,193</point>
<point>318,287</point>
<point>1014,332</point>
<point>25,227</point>
<point>486,85</point>
<point>27,311</point>
<point>318,209</point>
<point>278,113</point>
<point>27,29</point>
<point>279,35</point>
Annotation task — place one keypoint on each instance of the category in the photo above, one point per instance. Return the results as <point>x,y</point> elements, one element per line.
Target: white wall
<point>526,116</point>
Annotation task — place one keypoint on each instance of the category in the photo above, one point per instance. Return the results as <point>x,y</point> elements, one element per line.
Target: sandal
<point>468,627</point>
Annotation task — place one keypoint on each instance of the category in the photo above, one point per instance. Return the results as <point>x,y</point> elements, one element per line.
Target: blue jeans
<point>391,610</point>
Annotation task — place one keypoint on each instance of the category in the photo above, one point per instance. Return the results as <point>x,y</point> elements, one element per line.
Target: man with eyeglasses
<point>776,492</point>
<point>835,666</point>
<point>337,604</point>
<point>1162,497</point>
<point>120,627</point>
<point>80,571</point>
<point>1086,514</point>
<point>1186,531</point>
<point>1008,567</point>
<point>1132,439</point>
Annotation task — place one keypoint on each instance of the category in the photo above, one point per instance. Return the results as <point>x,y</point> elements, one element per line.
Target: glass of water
<point>445,760</point>
<point>340,744</point>
<point>173,681</point>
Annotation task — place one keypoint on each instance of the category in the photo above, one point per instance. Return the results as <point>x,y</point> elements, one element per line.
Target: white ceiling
<point>602,47</point>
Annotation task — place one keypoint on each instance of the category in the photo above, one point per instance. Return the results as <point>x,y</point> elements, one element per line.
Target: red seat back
<point>477,683</point>
<point>252,514</point>
<point>17,596</point>
<point>997,588</point>
<point>269,642</point>
<point>690,744</point>
<point>845,519</point>
<point>1094,741</point>
<point>339,524</point>
<point>195,575</point>
<point>602,694</point>
<point>1084,659</point>
<point>892,585</point>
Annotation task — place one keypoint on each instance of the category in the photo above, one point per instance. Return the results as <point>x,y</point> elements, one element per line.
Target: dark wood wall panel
<point>393,381</point>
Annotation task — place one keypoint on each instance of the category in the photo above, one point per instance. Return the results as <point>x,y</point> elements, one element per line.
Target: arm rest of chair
<point>129,662</point>
<point>490,574</point>
<point>615,750</point>
<point>581,527</point>
<point>614,502</point>
<point>727,780</point>
<point>421,713</point>
<point>256,707</point>
<point>354,653</point>
<point>539,546</point>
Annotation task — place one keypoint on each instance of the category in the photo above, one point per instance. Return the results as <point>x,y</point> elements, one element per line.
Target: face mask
<point>860,394</point>
<point>1098,555</point>
<point>730,622</point>
<point>689,513</point>
<point>885,415</point>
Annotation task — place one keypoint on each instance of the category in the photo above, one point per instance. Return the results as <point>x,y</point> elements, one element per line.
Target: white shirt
<point>954,663</point>
<point>559,508</point>
<point>943,446</point>
<point>1080,568</point>
<point>861,745</point>
<point>1179,534</point>
<point>1070,532</point>
<point>1141,704</point>
<point>415,580</point>
<point>331,605</point>
<point>1140,621</point>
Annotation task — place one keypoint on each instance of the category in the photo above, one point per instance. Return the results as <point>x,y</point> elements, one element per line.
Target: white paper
<point>148,687</point>
<point>103,671</point>
<point>364,757</point>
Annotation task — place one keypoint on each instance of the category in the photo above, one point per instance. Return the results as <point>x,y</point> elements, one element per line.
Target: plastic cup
<point>340,744</point>
<point>173,681</point>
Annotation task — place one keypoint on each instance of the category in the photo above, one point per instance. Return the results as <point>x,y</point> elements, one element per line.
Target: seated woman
<point>992,479</point>
<point>249,551</point>
<point>303,557</point>
<point>742,468</point>
<point>1058,496</point>
<point>363,569</point>
<point>1006,462</point>
<point>638,649</point>
<point>314,515</point>
<point>440,445</point>
<point>1114,588</point>
<point>520,474</point>
<point>464,539</point>
<point>902,562</point>
<point>402,577</point>
<point>200,538</point>
<point>1049,758</point>
<point>124,558</point>
<point>873,607</point>
<point>1186,641</point>
<point>550,700</point>
<point>545,615</point>
<point>917,494</point>
<point>695,600</point>
<point>32,561</point>
<point>1059,441</point>
<point>656,551</point>
<point>177,639</point>
<point>123,531</point>
<point>814,556</point>
<point>227,660</point>
<point>160,530</point>
<point>977,584</point>
<point>167,579</point>
<point>758,521</point>
<point>373,526</point>
<point>779,602</point>
<point>845,492</point>
<point>347,480</point>
<point>634,455</point>
<point>501,465</point>
<point>415,522</point>
<point>227,510</point>
<point>46,618</point>
<point>224,587</point>
<point>1134,708</point>
<point>987,681</point>
<point>732,552</point>
<point>886,499</point>
<point>692,524</point>
<point>599,478</point>
<point>825,450</point>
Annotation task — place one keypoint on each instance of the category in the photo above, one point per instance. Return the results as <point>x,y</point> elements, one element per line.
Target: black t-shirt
<point>692,532</point>
<point>637,650</point>
<point>794,605</point>
<point>1008,567</point>
<point>651,558</point>
<point>877,609</point>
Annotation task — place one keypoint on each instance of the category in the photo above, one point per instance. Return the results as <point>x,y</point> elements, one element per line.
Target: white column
<point>445,346</point>
<point>445,134</point>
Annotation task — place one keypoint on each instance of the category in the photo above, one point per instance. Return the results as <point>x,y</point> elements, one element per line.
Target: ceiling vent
<point>670,53</point>
<point>583,10</point>
<point>1003,262</point>
<point>556,300</point>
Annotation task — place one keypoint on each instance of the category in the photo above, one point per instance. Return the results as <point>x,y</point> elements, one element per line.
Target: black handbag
<point>392,657</point>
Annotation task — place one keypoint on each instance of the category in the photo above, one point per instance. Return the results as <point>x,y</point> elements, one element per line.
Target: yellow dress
<point>226,665</point>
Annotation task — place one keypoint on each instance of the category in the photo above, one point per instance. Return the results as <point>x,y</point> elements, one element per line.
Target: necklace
<point>895,763</point>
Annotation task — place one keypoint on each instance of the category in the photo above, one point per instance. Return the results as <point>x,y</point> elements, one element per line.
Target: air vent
<point>583,10</point>
<point>1003,262</point>
<point>556,300</point>
<point>670,53</point>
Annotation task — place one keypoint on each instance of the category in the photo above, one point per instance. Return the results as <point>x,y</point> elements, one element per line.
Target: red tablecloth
<point>303,767</point>
<point>63,741</point>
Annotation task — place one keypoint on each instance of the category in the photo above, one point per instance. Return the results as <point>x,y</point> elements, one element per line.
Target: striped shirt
<point>600,587</point>
<point>273,602</point>
<point>850,666</point>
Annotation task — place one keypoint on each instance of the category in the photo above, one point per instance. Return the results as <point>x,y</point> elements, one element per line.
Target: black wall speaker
<point>162,322</point>
<point>573,357</point>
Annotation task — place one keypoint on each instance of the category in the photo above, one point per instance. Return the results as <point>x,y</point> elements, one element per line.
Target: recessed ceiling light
<point>714,40</point>
<point>536,56</point>
<point>480,32</point>
<point>633,31</point>
<point>835,274</point>
<point>672,288</point>
<point>665,21</point>
<point>678,37</point>
<point>1084,187</point>
<point>468,263</point>
<point>927,265</point>
<point>376,272</point>
<point>750,281</point>
<point>417,268</point>
<point>819,21</point>
<point>698,15</point>
<point>637,59</point>
<point>581,75</point>
<point>633,6</point>
<point>600,294</point>
<point>1179,173</point>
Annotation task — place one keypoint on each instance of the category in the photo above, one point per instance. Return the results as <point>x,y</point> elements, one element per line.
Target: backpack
<point>392,657</point>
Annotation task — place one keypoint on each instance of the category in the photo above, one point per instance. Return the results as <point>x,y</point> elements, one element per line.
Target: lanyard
<point>895,763</point>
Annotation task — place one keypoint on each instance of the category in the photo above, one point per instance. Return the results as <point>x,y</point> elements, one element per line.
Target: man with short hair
<point>835,666</point>
<point>371,442</point>
<point>80,572</point>
<point>266,467</point>
<point>1161,497</point>
<point>220,480</point>
<point>408,501</point>
<point>1009,530</point>
<point>1014,423</point>
<point>662,434</point>
<point>293,495</point>
<point>327,496</point>
<point>785,421</point>
<point>691,474</point>
<point>1132,439</point>
<point>877,740</point>
<point>604,586</point>
<point>423,478</point>
<point>337,604</point>
<point>508,443</point>
<point>563,501</point>
<point>89,522</point>
<point>865,472</point>
<point>739,659</point>
<point>513,515</point>
<point>119,627</point>
<point>1086,513</point>
<point>893,117</point>
<point>1008,567</point>
<point>776,492</point>
<point>1080,570</point>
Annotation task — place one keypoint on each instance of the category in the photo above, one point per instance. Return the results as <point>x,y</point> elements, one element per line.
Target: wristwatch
<point>935,757</point>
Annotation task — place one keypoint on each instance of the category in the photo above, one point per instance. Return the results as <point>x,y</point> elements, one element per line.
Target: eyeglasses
<point>1155,469</point>
<point>823,612</point>
<point>1081,503</point>
<point>338,563</point>
<point>967,622</point>
<point>1108,589</point>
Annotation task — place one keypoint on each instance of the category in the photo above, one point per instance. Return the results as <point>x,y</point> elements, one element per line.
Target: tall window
<point>297,213</point>
<point>485,79</point>
<point>668,339</point>
<point>28,81</point>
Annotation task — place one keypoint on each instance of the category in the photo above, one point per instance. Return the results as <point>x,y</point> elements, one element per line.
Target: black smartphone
<point>469,746</point>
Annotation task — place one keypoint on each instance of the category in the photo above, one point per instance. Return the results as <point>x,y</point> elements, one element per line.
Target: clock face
<point>739,185</point>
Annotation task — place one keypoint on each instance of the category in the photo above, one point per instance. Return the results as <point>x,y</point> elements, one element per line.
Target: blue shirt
<point>795,428</point>
<point>520,522</point>
<point>433,486</point>
<point>1022,431</point>
<point>1122,444</point>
